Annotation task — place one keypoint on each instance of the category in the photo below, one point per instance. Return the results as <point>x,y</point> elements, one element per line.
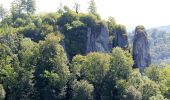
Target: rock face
<point>121,38</point>
<point>141,50</point>
<point>97,39</point>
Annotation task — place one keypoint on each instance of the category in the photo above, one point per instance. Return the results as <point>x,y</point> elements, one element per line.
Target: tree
<point>159,75</point>
<point>92,68</point>
<point>60,8</point>
<point>16,8</point>
<point>135,79</point>
<point>28,54</point>
<point>120,68</point>
<point>77,7</point>
<point>68,17</point>
<point>121,63</point>
<point>149,89</point>
<point>30,6</point>
<point>17,67</point>
<point>166,73</point>
<point>21,6</point>
<point>2,12</point>
<point>154,73</point>
<point>92,7</point>
<point>52,73</point>
<point>8,74</point>
<point>111,25</point>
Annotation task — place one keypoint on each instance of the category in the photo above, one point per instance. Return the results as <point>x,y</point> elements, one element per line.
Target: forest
<point>47,57</point>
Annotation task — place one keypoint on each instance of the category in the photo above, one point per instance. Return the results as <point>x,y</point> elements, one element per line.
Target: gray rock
<point>97,39</point>
<point>121,38</point>
<point>141,50</point>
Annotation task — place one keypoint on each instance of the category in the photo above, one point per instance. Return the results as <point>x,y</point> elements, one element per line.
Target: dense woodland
<point>34,64</point>
<point>159,41</point>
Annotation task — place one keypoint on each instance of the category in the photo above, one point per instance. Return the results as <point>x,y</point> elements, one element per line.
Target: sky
<point>150,13</point>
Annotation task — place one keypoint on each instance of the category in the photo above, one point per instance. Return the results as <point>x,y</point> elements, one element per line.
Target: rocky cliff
<point>141,51</point>
<point>121,38</point>
<point>97,39</point>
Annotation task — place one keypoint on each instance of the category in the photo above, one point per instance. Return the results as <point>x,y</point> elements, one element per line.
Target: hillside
<point>164,28</point>
<point>159,44</point>
<point>72,55</point>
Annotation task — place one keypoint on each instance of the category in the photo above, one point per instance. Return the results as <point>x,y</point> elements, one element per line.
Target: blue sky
<point>150,13</point>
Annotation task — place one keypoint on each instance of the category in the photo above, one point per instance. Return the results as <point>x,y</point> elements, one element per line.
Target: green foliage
<point>132,94</point>
<point>76,67</point>
<point>95,67</point>
<point>102,72</point>
<point>111,25</point>
<point>135,79</point>
<point>121,29</point>
<point>8,76</point>
<point>12,41</point>
<point>82,90</point>
<point>17,67</point>
<point>18,7</point>
<point>154,73</point>
<point>92,68</point>
<point>166,75</point>
<point>149,88</point>
<point>158,97</point>
<point>140,28</point>
<point>67,17</point>
<point>52,72</point>
<point>88,19</point>
<point>50,18</point>
<point>6,30</point>
<point>54,79</point>
<point>121,63</point>
<point>157,75</point>
<point>28,53</point>
<point>120,89</point>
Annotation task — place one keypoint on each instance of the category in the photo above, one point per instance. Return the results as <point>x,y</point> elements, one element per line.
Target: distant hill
<point>163,28</point>
<point>160,44</point>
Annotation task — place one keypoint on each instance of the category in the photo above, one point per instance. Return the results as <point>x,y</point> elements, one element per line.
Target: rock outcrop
<point>121,38</point>
<point>141,50</point>
<point>97,39</point>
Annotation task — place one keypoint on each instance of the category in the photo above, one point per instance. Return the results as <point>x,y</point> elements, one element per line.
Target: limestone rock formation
<point>141,50</point>
<point>121,38</point>
<point>97,39</point>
